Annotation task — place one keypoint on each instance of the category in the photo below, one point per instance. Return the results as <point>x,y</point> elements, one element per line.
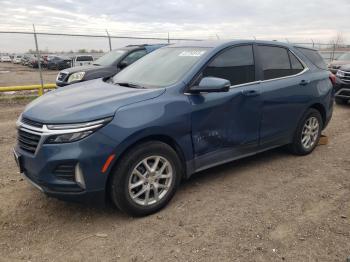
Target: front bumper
<point>96,198</point>
<point>342,89</point>
<point>90,153</point>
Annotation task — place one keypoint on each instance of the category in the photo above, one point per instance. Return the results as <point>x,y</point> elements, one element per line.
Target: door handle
<point>250,92</point>
<point>304,82</point>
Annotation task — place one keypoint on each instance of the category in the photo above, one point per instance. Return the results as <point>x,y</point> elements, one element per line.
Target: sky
<point>284,20</point>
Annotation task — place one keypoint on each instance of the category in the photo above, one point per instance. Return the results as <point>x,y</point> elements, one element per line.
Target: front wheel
<point>145,179</point>
<point>307,134</point>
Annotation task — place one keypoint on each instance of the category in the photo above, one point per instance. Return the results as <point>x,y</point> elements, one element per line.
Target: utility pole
<point>109,40</point>
<point>41,89</point>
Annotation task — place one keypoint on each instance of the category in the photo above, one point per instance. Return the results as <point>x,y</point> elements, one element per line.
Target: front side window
<point>235,65</point>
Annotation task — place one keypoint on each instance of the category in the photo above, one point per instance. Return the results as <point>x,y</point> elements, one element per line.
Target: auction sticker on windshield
<point>192,53</point>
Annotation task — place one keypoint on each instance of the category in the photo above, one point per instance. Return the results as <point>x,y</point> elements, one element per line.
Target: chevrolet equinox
<point>179,110</point>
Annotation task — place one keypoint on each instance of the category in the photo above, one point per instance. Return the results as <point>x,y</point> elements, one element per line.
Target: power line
<point>100,36</point>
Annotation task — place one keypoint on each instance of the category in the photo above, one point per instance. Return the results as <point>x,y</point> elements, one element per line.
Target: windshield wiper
<point>130,85</point>
<point>96,64</point>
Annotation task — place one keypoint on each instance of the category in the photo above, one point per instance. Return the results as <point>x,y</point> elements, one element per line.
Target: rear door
<point>282,89</point>
<point>226,125</point>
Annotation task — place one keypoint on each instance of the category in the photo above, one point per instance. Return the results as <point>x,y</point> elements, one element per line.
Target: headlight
<point>67,133</point>
<point>340,73</point>
<point>76,77</point>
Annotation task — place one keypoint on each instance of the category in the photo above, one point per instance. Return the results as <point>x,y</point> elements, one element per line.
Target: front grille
<point>61,76</point>
<point>66,172</point>
<point>346,76</point>
<point>31,122</point>
<point>28,141</point>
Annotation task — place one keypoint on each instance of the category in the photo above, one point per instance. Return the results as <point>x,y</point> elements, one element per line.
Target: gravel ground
<point>14,74</point>
<point>269,207</point>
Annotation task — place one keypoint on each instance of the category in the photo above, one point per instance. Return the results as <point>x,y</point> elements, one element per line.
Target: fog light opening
<point>79,178</point>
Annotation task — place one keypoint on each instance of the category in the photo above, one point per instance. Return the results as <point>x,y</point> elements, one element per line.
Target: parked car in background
<point>58,63</point>
<point>17,59</point>
<point>5,58</point>
<point>342,86</point>
<point>106,66</point>
<point>26,59</point>
<point>34,62</point>
<point>344,59</point>
<point>179,110</point>
<point>82,60</point>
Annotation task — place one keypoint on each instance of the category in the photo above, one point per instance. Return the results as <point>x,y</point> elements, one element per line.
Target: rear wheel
<point>145,179</point>
<point>308,133</point>
<point>341,101</point>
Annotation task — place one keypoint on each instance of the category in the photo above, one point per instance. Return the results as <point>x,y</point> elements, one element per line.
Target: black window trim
<point>194,79</point>
<point>306,68</point>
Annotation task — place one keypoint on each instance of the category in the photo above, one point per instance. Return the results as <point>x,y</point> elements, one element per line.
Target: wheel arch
<point>320,108</point>
<point>157,138</point>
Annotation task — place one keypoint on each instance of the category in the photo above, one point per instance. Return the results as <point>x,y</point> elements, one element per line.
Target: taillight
<point>333,78</point>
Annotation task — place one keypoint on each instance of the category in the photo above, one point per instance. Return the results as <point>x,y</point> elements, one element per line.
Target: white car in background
<point>82,60</point>
<point>17,59</point>
<point>5,58</point>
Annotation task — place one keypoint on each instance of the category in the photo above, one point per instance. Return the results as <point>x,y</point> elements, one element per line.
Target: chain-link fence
<point>27,48</point>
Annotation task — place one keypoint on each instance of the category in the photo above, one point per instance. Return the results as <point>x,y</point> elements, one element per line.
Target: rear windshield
<point>314,57</point>
<point>85,58</point>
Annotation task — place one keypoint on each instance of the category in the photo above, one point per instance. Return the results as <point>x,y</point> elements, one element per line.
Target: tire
<point>299,146</point>
<point>131,178</point>
<point>341,101</point>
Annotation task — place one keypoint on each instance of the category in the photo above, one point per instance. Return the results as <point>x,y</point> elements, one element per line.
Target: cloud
<point>296,20</point>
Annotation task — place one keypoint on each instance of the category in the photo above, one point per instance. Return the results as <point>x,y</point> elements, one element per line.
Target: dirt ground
<point>269,207</point>
<point>14,74</point>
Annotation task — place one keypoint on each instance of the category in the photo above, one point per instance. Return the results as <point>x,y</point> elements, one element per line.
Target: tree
<point>338,40</point>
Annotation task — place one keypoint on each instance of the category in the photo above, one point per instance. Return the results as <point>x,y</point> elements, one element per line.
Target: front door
<point>226,125</point>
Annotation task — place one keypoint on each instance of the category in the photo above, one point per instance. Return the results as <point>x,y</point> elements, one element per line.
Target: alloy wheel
<point>310,132</point>
<point>150,180</point>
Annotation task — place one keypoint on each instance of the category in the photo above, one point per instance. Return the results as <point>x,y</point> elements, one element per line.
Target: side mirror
<point>123,64</point>
<point>211,84</point>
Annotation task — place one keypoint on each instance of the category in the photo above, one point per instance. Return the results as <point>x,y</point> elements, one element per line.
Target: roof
<point>223,43</point>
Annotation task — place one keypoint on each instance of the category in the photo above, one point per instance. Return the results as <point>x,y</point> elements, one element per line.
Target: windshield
<point>109,58</point>
<point>161,68</point>
<point>344,57</point>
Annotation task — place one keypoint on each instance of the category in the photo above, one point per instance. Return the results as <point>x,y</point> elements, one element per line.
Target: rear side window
<point>235,65</point>
<point>85,58</point>
<point>278,62</point>
<point>314,57</point>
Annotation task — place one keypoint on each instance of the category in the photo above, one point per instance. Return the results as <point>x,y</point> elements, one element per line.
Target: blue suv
<point>181,109</point>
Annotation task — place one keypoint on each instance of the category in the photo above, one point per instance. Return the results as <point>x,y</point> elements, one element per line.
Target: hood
<point>346,67</point>
<point>339,63</point>
<point>84,102</point>
<point>80,68</point>
<point>93,72</point>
